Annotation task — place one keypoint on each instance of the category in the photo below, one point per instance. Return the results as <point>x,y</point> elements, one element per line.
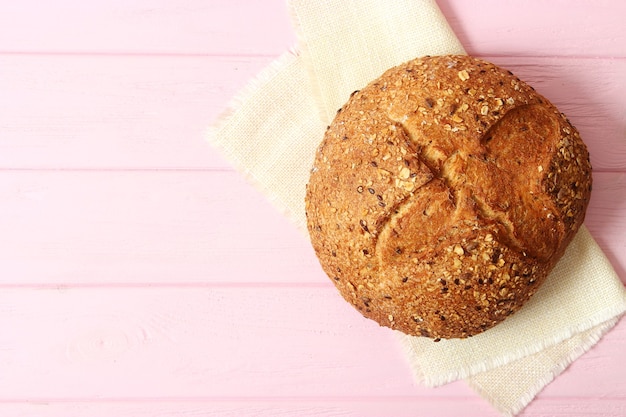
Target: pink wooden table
<point>140,274</point>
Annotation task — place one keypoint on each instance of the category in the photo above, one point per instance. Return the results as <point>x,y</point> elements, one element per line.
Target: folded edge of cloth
<point>534,372</point>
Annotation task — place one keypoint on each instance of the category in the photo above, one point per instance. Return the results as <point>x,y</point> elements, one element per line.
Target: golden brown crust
<point>442,195</point>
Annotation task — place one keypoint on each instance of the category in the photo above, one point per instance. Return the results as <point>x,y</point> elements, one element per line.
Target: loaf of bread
<point>442,195</point>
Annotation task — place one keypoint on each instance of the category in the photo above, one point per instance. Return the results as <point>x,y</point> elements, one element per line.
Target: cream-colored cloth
<point>271,134</point>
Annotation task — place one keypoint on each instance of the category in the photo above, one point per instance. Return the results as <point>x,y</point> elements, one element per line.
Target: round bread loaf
<point>442,195</point>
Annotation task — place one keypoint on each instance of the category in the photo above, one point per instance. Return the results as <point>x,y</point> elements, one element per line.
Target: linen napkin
<point>271,133</point>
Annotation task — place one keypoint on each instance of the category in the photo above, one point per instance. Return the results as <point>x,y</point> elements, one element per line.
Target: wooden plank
<point>115,112</point>
<point>305,407</point>
<point>195,342</point>
<point>264,407</point>
<point>153,112</point>
<point>538,28</point>
<point>486,27</point>
<point>188,27</point>
<point>228,344</point>
<point>180,227</point>
<point>129,227</point>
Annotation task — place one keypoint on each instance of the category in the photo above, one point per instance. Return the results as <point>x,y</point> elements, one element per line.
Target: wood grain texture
<point>142,227</point>
<point>115,112</point>
<point>568,28</point>
<point>209,346</point>
<point>248,27</point>
<point>141,276</point>
<point>130,338</point>
<point>313,407</point>
<point>265,407</point>
<point>140,27</point>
